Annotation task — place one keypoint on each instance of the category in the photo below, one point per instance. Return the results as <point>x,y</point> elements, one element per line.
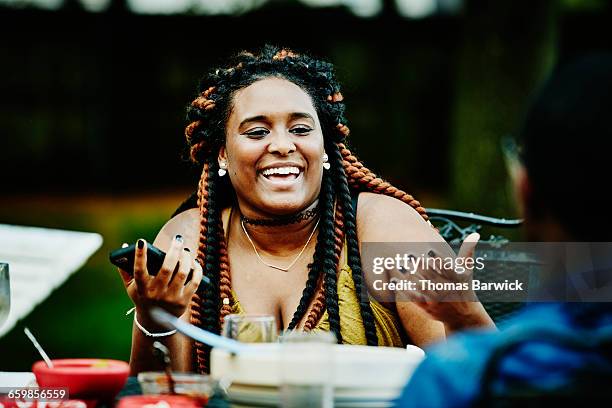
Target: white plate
<point>349,398</point>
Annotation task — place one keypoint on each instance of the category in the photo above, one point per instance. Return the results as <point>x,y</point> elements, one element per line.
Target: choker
<point>283,220</point>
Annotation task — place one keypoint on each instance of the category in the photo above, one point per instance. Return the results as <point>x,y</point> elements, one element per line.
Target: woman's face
<point>274,148</point>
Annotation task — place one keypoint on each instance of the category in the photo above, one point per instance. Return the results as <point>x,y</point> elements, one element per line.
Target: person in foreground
<point>551,352</point>
<point>274,224</point>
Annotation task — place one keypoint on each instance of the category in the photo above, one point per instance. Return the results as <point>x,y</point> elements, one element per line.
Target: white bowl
<point>354,366</point>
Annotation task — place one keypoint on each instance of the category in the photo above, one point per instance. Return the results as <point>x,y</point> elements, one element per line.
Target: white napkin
<point>17,379</point>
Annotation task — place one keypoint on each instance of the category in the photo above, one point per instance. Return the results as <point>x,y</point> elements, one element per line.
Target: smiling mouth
<point>282,175</point>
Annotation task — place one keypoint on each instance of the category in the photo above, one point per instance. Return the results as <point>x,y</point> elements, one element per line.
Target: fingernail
<point>125,245</point>
<point>186,249</point>
<point>179,238</point>
<point>141,243</point>
<point>431,253</point>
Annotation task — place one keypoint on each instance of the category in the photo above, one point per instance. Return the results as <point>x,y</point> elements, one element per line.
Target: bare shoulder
<point>184,224</point>
<point>381,218</point>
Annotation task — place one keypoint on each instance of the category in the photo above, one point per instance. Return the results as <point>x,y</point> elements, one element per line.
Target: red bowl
<point>85,378</point>
<point>174,401</point>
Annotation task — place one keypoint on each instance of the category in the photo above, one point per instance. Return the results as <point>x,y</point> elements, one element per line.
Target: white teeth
<point>281,170</point>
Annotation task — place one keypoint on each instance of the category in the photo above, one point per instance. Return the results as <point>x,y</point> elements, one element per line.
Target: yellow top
<point>351,323</point>
<point>388,326</point>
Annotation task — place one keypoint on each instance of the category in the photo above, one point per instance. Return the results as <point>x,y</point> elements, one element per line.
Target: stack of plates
<point>364,377</point>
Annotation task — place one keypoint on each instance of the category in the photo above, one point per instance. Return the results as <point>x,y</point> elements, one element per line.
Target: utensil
<point>38,347</point>
<point>256,328</point>
<point>166,319</point>
<point>162,352</point>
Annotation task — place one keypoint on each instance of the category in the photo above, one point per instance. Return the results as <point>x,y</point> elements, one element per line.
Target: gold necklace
<point>274,266</point>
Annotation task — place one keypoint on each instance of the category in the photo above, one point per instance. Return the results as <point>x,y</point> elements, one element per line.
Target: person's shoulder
<point>450,374</point>
<point>185,224</point>
<point>381,216</point>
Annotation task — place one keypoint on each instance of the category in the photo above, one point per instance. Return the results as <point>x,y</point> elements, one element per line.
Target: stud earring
<point>326,165</point>
<point>222,169</point>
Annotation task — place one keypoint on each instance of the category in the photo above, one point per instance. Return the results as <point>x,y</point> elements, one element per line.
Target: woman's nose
<point>281,143</point>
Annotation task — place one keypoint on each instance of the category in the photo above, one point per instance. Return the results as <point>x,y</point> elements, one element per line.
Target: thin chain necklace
<point>274,266</point>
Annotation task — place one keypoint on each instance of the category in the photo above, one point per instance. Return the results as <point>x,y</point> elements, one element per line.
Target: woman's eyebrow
<point>258,118</point>
<point>264,118</point>
<point>301,115</point>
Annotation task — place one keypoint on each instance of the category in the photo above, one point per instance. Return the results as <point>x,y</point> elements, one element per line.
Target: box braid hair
<point>205,134</point>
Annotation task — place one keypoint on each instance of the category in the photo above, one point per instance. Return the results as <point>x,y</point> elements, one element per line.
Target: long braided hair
<point>205,134</point>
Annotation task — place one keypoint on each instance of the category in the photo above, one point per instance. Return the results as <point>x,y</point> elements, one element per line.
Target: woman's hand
<point>445,292</point>
<point>457,309</point>
<point>169,288</point>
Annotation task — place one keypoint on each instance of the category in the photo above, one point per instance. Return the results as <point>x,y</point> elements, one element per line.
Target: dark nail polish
<point>186,249</point>
<point>431,253</point>
<point>140,243</point>
<point>179,238</point>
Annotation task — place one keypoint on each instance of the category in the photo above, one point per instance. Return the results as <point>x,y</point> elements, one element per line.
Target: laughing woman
<point>276,224</point>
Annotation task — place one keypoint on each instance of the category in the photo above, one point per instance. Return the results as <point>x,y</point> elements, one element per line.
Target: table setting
<point>251,366</point>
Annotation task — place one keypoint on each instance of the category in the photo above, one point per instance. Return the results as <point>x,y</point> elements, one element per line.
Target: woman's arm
<point>141,357</point>
<point>387,220</point>
<point>169,290</point>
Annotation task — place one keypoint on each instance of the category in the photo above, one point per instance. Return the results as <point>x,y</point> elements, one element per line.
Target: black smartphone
<point>124,258</point>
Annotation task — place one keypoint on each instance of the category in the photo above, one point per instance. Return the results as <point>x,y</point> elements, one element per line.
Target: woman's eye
<point>301,130</point>
<point>260,132</point>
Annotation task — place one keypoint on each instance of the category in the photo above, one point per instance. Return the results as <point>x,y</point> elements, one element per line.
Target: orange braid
<point>225,282</point>
<point>363,179</point>
<point>191,128</point>
<point>195,319</point>
<point>196,301</point>
<point>224,273</point>
<point>195,150</point>
<point>282,54</point>
<point>207,92</point>
<point>318,306</point>
<point>337,97</point>
<point>319,303</point>
<point>203,102</point>
<point>343,129</point>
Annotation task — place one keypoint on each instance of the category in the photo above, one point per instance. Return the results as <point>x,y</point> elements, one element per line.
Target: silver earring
<point>326,165</point>
<point>222,169</point>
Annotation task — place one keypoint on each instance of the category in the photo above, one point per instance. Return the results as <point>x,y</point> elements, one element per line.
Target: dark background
<point>92,117</point>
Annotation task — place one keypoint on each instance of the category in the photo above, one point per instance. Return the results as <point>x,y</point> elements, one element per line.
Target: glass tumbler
<point>307,369</point>
<point>250,328</point>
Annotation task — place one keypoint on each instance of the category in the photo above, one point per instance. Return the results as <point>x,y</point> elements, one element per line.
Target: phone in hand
<point>124,258</point>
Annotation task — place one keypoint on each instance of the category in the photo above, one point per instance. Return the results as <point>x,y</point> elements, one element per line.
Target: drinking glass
<point>307,369</point>
<point>250,328</point>
<point>5,293</point>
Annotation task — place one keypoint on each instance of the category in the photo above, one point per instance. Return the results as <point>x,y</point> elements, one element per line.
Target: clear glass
<point>250,328</point>
<point>5,293</point>
<point>307,369</point>
<point>200,387</point>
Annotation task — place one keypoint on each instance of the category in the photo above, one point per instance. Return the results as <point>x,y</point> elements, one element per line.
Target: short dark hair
<point>565,141</point>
